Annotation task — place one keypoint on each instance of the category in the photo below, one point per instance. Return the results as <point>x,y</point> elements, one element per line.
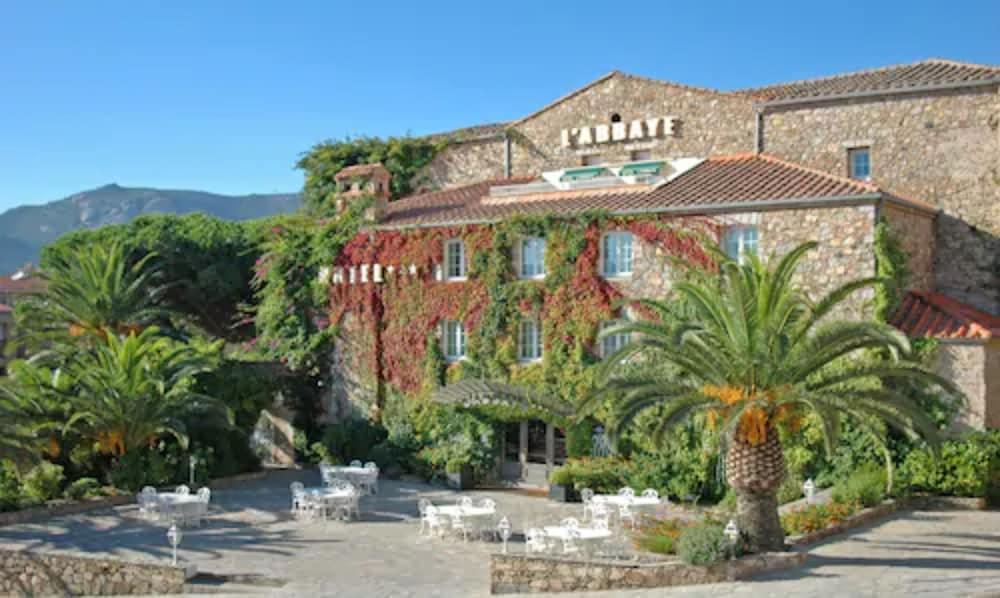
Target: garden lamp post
<point>733,535</point>
<point>504,528</point>
<point>809,489</point>
<point>192,462</point>
<point>174,536</point>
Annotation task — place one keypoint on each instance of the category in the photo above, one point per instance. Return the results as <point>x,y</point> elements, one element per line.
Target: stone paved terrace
<point>947,553</point>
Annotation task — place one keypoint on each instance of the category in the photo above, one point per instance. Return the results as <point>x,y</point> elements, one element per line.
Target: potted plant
<point>460,476</point>
<point>561,485</point>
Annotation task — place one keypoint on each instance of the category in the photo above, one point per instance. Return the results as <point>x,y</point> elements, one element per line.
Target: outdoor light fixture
<point>733,534</point>
<point>809,489</point>
<point>504,528</point>
<point>174,536</point>
<point>192,461</point>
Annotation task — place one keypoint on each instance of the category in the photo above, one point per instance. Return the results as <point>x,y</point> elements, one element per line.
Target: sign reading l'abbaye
<point>637,130</point>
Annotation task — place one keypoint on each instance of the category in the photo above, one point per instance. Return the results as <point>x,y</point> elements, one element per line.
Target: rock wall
<point>942,148</point>
<point>916,234</point>
<point>519,573</point>
<point>26,573</point>
<point>975,368</point>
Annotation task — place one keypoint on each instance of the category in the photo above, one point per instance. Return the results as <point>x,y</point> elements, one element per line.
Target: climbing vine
<point>890,265</point>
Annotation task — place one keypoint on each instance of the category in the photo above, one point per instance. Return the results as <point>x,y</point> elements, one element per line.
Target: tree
<point>90,293</point>
<point>32,408</point>
<point>748,350</point>
<point>136,389</point>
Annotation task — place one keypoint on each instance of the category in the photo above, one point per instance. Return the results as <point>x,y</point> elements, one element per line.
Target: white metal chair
<point>182,490</point>
<point>299,503</point>
<point>537,541</point>
<point>600,513</point>
<point>149,504</point>
<point>465,502</point>
<point>650,493</point>
<point>356,463</point>
<point>571,542</point>
<point>422,505</point>
<point>625,513</point>
<point>626,491</point>
<point>436,525</point>
<point>570,522</point>
<point>458,524</point>
<point>204,497</point>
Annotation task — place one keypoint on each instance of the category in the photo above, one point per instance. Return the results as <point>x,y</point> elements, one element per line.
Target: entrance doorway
<point>531,450</point>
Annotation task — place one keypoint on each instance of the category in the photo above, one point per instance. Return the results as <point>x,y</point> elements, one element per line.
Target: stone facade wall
<point>650,272</point>
<point>943,148</point>
<point>354,388</point>
<point>516,574</point>
<point>965,365</point>
<point>26,573</point>
<point>916,234</point>
<point>846,237</point>
<point>991,359</point>
<point>465,162</point>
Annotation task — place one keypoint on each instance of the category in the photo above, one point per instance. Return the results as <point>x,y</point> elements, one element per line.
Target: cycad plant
<point>33,403</point>
<point>746,349</point>
<point>90,293</point>
<point>135,389</point>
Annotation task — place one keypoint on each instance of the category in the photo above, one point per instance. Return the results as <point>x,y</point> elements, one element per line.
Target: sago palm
<point>94,291</point>
<point>33,403</point>
<point>750,351</point>
<point>135,389</point>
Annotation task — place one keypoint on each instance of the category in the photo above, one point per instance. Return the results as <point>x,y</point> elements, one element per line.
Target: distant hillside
<point>25,230</point>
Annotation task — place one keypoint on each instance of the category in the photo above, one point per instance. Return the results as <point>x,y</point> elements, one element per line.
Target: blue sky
<point>223,96</point>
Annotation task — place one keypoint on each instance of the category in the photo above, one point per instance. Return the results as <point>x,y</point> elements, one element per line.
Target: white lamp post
<point>174,536</point>
<point>504,528</point>
<point>192,461</point>
<point>809,489</point>
<point>733,534</point>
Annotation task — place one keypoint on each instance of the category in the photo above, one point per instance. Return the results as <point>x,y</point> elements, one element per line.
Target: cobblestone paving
<point>948,553</point>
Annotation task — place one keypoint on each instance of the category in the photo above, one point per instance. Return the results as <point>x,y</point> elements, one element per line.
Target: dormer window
<point>454,259</point>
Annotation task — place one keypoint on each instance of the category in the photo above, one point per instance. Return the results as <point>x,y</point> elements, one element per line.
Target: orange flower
<point>753,426</point>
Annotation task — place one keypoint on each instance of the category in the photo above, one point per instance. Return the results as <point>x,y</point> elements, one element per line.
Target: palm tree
<point>32,409</point>
<point>89,293</point>
<point>138,388</point>
<point>749,351</point>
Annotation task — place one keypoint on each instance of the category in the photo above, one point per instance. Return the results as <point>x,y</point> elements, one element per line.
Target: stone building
<point>915,146</point>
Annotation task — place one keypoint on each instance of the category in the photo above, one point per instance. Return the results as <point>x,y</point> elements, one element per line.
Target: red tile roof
<point>717,182</point>
<point>29,284</point>
<point>5,309</point>
<point>359,170</point>
<point>896,78</point>
<point>934,315</point>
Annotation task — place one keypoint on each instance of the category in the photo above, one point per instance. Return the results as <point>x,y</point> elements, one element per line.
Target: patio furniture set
<point>178,507</point>
<point>463,518</point>
<point>604,515</point>
<point>340,495</point>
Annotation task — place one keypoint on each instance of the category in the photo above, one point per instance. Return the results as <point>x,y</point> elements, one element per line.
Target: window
<point>613,342</point>
<point>617,254</point>
<point>859,163</point>
<point>740,241</point>
<point>454,340</point>
<point>454,258</point>
<point>641,155</point>
<point>532,257</point>
<point>592,160</point>
<point>529,341</point>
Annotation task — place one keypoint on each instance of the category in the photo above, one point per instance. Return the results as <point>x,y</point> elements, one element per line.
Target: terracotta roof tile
<point>897,78</point>
<point>715,182</point>
<point>359,170</point>
<point>937,316</point>
<point>27,284</point>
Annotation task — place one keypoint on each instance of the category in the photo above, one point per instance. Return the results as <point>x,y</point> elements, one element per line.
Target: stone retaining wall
<point>520,573</point>
<point>27,573</point>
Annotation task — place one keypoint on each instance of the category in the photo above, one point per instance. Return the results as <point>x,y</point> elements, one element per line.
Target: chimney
<point>365,180</point>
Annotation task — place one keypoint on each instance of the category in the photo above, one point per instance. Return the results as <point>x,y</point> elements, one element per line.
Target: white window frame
<point>529,350</point>
<point>450,246</point>
<point>541,259</point>
<point>629,258</point>
<point>611,344</point>
<point>744,245</point>
<point>453,333</point>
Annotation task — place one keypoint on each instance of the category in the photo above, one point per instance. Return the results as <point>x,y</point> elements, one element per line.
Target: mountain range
<point>26,229</point>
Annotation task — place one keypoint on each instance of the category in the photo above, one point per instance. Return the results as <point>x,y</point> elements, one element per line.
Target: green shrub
<point>83,488</point>
<point>149,466</point>
<point>456,465</point>
<point>965,467</point>
<point>603,475</point>
<point>866,486</point>
<point>578,439</point>
<point>43,482</point>
<point>790,489</point>
<point>561,476</point>
<point>10,488</point>
<point>702,544</point>
<point>352,439</point>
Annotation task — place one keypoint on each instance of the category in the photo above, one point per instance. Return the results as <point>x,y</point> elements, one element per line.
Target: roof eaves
<point>878,92</point>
